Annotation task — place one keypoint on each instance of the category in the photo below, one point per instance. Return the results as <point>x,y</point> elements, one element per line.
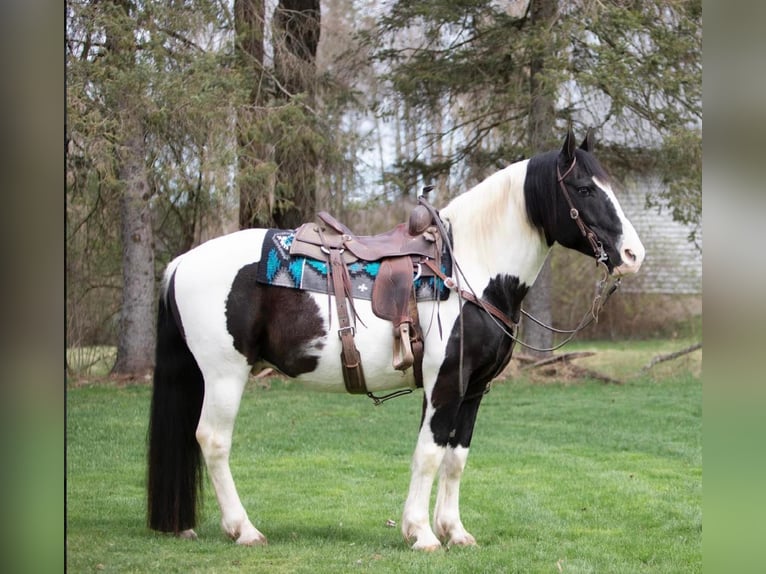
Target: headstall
<point>587,232</point>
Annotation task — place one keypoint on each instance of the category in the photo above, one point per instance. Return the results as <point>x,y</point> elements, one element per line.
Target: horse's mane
<point>476,214</point>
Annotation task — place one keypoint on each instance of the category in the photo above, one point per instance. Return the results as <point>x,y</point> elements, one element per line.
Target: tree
<point>280,136</point>
<point>296,27</point>
<point>150,94</point>
<point>542,121</point>
<point>255,176</point>
<point>631,70</point>
<point>172,109</point>
<point>125,94</point>
<point>638,67</point>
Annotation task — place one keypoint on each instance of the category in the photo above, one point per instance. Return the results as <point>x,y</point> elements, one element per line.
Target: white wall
<point>673,264</point>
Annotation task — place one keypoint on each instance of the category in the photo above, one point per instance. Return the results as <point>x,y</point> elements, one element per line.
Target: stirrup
<point>403,356</point>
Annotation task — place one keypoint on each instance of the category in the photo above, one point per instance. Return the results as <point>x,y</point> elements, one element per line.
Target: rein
<point>604,292</point>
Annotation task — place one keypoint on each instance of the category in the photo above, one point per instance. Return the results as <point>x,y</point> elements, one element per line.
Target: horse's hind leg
<point>214,434</point>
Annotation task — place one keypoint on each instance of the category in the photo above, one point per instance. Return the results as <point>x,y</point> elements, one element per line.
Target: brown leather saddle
<point>401,253</point>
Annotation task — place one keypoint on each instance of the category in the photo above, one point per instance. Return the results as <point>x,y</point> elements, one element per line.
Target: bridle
<point>587,232</point>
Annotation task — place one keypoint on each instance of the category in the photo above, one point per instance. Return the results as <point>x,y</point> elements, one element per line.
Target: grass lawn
<point>582,477</point>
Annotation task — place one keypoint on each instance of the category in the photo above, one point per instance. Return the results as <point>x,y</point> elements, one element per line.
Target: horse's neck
<point>491,231</point>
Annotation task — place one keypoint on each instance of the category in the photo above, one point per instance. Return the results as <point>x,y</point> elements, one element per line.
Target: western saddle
<point>406,252</point>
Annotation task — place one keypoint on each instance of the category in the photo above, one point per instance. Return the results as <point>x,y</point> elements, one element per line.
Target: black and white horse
<point>215,322</point>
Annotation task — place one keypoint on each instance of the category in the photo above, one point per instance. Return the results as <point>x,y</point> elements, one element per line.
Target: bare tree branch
<point>670,356</point>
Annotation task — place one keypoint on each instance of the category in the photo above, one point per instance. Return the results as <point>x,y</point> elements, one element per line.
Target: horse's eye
<point>584,190</point>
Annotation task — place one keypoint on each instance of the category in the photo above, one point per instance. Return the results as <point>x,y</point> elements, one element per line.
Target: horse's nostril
<point>629,255</point>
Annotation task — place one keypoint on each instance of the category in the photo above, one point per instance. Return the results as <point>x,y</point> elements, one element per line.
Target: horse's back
<point>222,253</point>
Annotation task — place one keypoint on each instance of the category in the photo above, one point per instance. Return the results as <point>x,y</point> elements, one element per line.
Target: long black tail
<point>175,462</point>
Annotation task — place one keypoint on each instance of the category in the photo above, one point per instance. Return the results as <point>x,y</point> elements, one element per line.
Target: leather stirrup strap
<point>351,361</point>
<point>416,336</point>
<point>408,342</point>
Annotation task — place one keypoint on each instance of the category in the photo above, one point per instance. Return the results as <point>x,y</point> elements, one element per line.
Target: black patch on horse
<point>484,358</point>
<point>274,324</point>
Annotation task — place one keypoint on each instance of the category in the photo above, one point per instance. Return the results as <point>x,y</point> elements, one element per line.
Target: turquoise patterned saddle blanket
<point>281,269</point>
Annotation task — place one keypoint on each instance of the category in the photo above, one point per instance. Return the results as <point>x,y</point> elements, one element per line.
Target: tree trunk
<point>296,37</point>
<point>538,304</point>
<point>135,346</point>
<point>255,183</point>
<point>542,118</point>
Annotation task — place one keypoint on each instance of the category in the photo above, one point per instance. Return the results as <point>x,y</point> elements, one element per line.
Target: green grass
<point>561,478</point>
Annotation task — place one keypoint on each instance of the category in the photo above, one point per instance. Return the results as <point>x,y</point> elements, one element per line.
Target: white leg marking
<point>214,434</point>
<point>447,522</point>
<point>425,463</point>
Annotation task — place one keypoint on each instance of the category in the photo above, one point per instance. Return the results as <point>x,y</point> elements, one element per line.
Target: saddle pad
<point>281,269</point>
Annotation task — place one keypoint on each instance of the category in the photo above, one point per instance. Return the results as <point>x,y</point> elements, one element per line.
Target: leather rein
<point>509,326</point>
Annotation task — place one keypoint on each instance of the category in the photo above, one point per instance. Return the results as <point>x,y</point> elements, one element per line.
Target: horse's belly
<point>374,340</point>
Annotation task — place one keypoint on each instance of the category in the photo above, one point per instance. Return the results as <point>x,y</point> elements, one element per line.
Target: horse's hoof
<point>426,547</point>
<point>188,534</point>
<point>256,539</point>
<point>465,540</point>
<point>427,544</point>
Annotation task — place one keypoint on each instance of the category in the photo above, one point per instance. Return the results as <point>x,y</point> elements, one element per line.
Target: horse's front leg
<point>445,435</point>
<point>425,463</point>
<point>447,523</point>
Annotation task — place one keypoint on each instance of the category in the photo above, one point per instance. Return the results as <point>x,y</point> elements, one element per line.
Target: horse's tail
<point>174,459</point>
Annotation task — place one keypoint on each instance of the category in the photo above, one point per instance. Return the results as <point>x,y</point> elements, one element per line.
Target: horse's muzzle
<point>632,256</point>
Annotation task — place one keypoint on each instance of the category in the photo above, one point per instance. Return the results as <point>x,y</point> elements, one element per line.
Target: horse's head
<point>571,198</point>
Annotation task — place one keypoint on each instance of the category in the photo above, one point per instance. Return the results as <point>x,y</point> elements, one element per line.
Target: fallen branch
<point>576,370</point>
<point>671,356</point>
<point>565,358</point>
<point>591,374</point>
<point>523,359</point>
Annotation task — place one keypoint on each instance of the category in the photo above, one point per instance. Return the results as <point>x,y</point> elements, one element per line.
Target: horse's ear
<point>587,142</point>
<point>569,145</point>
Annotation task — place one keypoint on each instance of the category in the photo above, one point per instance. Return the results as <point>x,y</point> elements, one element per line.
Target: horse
<point>216,322</point>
